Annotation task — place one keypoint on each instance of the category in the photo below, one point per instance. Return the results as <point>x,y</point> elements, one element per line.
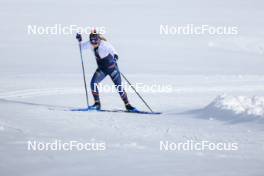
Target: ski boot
<point>130,108</point>
<point>95,106</point>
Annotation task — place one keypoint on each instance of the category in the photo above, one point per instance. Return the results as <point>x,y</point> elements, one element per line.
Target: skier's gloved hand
<point>79,37</point>
<point>116,56</point>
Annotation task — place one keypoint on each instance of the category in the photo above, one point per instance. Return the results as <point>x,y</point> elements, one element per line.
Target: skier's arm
<point>113,51</point>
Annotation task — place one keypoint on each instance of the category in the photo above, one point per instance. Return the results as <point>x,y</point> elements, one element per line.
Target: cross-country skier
<point>106,58</point>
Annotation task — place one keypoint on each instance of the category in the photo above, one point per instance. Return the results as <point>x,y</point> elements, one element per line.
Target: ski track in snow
<point>26,93</point>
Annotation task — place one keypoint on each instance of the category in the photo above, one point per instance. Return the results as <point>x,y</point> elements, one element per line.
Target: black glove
<point>116,56</point>
<point>79,37</point>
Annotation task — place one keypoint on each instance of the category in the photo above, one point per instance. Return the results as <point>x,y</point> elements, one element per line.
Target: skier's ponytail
<point>102,37</point>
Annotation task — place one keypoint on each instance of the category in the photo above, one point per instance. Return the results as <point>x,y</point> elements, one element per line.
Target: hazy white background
<point>41,75</point>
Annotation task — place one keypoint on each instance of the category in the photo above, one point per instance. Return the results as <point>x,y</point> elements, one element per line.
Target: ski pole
<point>136,92</point>
<point>84,79</point>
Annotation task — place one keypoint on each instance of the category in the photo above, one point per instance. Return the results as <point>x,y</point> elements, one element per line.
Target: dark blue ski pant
<point>114,74</point>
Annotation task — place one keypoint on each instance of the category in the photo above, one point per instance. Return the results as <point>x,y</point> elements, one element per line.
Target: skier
<point>106,58</point>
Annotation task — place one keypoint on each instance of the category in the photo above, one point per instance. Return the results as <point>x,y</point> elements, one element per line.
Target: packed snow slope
<point>216,96</point>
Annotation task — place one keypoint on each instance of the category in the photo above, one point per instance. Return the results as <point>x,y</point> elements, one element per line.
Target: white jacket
<point>104,49</point>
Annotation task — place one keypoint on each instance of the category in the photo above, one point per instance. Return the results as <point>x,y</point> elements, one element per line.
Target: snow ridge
<point>239,105</point>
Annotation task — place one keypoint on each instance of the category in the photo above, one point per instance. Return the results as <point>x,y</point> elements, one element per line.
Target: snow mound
<point>243,106</point>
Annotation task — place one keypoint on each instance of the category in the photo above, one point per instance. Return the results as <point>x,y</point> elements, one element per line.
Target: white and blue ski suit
<point>106,61</point>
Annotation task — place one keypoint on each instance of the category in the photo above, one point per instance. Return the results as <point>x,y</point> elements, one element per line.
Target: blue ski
<point>114,110</point>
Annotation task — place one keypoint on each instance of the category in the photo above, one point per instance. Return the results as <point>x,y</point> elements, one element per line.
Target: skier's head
<point>94,38</point>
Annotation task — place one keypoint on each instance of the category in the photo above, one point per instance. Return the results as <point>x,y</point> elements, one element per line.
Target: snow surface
<point>41,77</point>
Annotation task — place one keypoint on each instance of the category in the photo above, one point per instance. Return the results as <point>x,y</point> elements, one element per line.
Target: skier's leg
<point>96,79</point>
<point>116,78</point>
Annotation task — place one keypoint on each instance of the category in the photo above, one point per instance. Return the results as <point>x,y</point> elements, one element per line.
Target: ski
<point>114,111</point>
